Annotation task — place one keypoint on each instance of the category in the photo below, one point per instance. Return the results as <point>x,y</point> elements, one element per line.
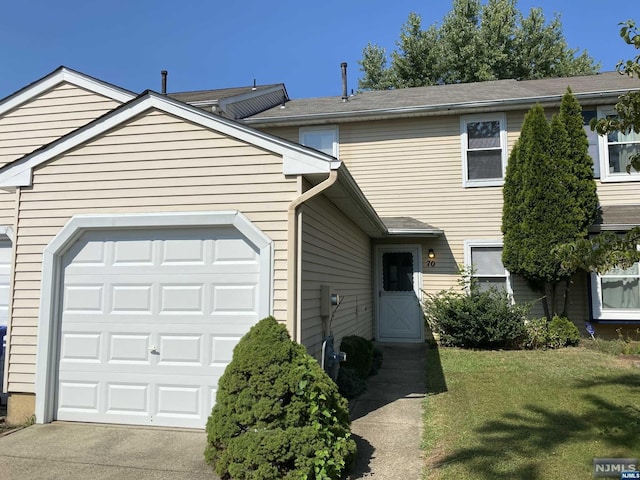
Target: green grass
<point>537,415</point>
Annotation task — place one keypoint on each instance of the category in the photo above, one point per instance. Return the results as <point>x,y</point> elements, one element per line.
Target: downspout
<point>294,261</point>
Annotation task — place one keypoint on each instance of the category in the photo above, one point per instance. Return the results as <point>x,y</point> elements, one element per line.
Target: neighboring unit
<point>438,155</point>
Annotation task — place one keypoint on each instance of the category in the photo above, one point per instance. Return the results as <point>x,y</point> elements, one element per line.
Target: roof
<point>408,226</point>
<point>214,96</point>
<point>617,217</point>
<point>445,99</point>
<point>236,102</point>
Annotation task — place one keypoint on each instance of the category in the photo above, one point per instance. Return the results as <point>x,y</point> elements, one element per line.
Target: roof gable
<point>58,76</point>
<point>297,160</point>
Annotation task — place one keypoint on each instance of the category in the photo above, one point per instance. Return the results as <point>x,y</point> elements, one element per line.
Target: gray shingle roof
<point>409,225</point>
<point>613,216</point>
<point>218,94</point>
<point>443,98</point>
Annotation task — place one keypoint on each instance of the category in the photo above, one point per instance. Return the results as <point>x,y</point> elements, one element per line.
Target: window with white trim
<point>484,257</point>
<point>323,139</point>
<point>615,295</point>
<point>615,150</point>
<point>484,150</point>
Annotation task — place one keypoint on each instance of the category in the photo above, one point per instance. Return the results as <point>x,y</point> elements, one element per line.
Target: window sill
<point>620,178</point>
<point>484,183</point>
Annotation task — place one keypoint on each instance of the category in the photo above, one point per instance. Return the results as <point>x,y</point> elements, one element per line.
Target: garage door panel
<point>81,347</point>
<point>127,399</point>
<point>77,395</point>
<point>138,295</point>
<point>149,323</point>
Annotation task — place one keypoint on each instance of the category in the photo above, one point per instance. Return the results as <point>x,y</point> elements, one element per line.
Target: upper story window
<point>324,139</point>
<point>615,150</point>
<point>485,259</point>
<point>484,150</point>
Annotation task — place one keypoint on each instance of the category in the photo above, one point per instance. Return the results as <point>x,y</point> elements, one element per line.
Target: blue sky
<point>208,44</point>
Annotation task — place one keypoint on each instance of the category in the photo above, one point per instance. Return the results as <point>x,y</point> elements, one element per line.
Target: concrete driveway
<point>82,451</point>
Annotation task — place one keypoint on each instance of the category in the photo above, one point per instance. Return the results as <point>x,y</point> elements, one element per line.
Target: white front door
<point>149,322</point>
<point>399,279</point>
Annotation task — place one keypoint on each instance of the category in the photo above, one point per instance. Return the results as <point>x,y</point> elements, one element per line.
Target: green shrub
<point>359,352</point>
<point>376,364</point>
<point>350,384</point>
<point>562,333</point>
<point>537,333</point>
<point>277,414</point>
<point>480,319</point>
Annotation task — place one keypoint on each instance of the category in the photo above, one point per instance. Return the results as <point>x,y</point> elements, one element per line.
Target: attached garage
<point>146,313</point>
<point>148,242</point>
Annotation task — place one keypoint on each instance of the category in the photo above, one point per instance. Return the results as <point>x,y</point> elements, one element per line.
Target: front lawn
<point>537,415</point>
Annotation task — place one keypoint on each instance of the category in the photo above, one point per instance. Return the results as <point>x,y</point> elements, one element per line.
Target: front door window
<point>397,272</point>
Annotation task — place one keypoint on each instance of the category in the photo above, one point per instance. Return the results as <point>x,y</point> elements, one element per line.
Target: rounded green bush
<point>277,414</point>
<point>481,319</point>
<point>359,352</point>
<point>350,384</point>
<point>562,332</point>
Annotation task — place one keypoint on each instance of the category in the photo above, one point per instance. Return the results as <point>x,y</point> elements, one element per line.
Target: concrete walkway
<point>387,419</point>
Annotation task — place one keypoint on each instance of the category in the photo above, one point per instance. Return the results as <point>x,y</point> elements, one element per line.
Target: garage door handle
<point>153,349</point>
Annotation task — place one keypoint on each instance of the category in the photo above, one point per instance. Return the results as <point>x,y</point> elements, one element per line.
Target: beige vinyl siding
<point>413,167</point>
<point>337,253</point>
<point>47,117</point>
<point>42,120</point>
<point>159,164</point>
<point>7,208</point>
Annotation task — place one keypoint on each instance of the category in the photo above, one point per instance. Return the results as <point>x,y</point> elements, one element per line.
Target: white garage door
<point>149,322</point>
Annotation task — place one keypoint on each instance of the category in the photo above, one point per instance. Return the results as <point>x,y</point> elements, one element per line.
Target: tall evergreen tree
<point>374,63</point>
<point>549,200</point>
<point>415,63</point>
<point>476,42</point>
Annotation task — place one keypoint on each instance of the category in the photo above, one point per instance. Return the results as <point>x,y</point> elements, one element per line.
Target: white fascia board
<point>299,160</point>
<point>60,76</point>
<point>297,163</point>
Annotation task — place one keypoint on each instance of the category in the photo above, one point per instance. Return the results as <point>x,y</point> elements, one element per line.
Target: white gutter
<point>415,232</point>
<point>294,260</point>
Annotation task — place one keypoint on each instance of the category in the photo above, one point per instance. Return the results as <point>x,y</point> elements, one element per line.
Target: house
<point>437,155</point>
<point>147,233</point>
<point>149,236</point>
